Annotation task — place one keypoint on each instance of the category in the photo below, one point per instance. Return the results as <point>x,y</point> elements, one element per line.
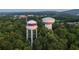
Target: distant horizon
<point>32,10</point>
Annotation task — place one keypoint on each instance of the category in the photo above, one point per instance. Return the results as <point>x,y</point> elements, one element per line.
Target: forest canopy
<point>63,36</point>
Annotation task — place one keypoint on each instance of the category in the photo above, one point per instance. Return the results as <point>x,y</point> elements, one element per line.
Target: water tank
<point>48,21</point>
<point>31,25</point>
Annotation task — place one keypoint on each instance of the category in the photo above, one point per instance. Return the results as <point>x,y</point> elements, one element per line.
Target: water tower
<point>48,21</point>
<point>31,31</point>
<point>22,17</point>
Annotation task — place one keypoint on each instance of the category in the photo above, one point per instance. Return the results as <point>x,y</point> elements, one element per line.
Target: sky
<point>31,10</point>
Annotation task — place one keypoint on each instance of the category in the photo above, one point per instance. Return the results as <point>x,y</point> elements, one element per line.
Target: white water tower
<point>48,21</point>
<point>32,27</point>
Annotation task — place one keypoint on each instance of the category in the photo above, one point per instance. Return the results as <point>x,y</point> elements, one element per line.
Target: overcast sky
<point>31,10</point>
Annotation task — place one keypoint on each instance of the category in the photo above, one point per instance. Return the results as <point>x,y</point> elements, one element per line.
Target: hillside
<point>72,12</point>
